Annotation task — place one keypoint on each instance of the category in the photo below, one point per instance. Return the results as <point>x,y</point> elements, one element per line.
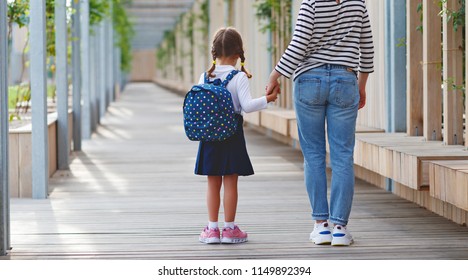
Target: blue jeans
<point>328,94</point>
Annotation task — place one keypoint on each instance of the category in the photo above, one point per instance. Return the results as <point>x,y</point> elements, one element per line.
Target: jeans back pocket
<point>346,93</point>
<point>308,90</point>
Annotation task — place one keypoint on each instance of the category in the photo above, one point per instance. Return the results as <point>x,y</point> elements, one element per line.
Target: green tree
<point>125,32</point>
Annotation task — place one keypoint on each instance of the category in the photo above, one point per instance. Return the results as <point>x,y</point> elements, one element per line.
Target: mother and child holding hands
<point>329,58</point>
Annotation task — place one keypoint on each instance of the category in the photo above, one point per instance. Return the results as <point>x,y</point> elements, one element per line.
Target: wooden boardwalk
<point>131,194</point>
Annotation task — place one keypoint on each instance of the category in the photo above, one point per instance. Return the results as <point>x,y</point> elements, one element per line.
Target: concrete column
<point>217,16</point>
<point>200,54</point>
<point>85,73</point>
<point>94,79</point>
<point>61,48</point>
<point>118,72</point>
<point>395,68</point>
<point>40,155</point>
<point>4,187</point>
<point>15,65</point>
<point>296,5</point>
<point>76,62</point>
<point>395,61</point>
<point>102,93</point>
<point>110,56</point>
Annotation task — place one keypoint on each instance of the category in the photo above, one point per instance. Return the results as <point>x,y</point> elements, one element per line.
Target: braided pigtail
<point>243,69</point>
<point>213,66</point>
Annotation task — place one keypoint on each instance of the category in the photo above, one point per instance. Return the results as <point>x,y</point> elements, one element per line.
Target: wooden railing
<point>435,73</point>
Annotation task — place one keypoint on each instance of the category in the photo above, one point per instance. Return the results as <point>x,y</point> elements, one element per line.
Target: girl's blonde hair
<point>227,42</point>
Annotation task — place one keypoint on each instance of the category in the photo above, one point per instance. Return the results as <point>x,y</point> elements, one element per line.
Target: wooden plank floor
<point>131,194</point>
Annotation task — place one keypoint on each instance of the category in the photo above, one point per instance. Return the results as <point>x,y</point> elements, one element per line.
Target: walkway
<point>131,194</point>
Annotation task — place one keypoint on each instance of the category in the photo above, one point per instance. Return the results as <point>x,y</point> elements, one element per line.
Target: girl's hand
<point>272,96</point>
<point>272,87</point>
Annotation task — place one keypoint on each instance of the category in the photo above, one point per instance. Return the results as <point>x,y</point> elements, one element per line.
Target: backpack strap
<point>229,77</point>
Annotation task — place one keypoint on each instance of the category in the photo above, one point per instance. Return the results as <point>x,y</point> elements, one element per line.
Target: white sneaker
<point>321,234</point>
<point>341,236</point>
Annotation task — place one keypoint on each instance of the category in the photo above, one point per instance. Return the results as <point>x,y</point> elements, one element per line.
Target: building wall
<point>143,66</point>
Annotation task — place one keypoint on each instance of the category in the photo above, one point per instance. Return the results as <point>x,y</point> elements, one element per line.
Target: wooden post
<point>62,82</point>
<point>414,41</point>
<point>287,32</point>
<point>453,75</point>
<point>432,95</point>
<point>40,155</point>
<point>466,79</point>
<point>76,61</point>
<point>4,185</point>
<point>275,49</point>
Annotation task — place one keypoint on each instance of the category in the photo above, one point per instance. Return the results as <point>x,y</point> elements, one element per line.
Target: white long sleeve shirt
<point>240,90</point>
<point>327,32</point>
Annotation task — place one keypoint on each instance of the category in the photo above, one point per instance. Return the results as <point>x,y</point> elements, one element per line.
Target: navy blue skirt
<point>227,157</point>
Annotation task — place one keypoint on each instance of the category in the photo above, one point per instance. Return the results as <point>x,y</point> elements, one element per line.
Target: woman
<point>332,42</point>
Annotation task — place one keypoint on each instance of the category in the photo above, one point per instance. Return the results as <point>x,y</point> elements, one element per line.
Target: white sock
<point>212,225</point>
<point>229,225</point>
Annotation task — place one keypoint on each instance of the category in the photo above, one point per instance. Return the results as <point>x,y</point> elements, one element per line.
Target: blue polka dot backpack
<point>209,111</point>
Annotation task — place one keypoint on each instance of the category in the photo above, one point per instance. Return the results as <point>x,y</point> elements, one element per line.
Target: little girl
<point>224,161</point>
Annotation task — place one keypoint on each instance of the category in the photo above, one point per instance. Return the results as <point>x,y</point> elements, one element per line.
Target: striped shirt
<point>329,33</point>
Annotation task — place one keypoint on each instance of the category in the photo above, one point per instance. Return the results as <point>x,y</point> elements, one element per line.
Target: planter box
<point>277,120</point>
<point>20,153</point>
<point>449,182</point>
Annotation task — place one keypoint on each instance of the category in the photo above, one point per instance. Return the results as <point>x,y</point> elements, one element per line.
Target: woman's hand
<point>362,81</point>
<point>362,98</point>
<point>273,85</point>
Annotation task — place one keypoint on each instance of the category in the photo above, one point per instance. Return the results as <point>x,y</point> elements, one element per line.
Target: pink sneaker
<point>209,235</point>
<point>233,235</point>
